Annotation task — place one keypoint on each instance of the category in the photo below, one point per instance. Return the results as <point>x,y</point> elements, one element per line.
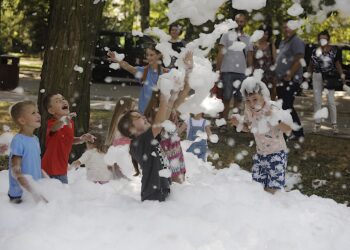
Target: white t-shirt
<point>96,168</point>
<point>196,123</point>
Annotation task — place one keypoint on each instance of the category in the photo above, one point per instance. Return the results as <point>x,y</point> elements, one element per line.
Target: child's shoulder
<point>22,137</point>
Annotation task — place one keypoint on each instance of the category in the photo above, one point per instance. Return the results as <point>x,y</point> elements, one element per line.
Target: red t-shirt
<point>58,146</point>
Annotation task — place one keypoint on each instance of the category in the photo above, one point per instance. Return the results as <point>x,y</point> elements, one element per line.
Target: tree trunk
<point>73,31</point>
<point>145,7</point>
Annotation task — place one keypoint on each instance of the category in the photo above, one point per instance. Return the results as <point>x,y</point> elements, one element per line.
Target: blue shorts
<point>229,88</point>
<point>269,170</point>
<point>61,178</point>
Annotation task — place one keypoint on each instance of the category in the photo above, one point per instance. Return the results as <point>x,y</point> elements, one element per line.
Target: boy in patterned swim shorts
<point>267,122</point>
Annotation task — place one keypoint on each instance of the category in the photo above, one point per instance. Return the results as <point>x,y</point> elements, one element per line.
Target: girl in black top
<point>144,147</point>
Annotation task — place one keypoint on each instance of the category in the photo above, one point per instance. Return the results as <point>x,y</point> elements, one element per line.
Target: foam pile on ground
<point>214,209</point>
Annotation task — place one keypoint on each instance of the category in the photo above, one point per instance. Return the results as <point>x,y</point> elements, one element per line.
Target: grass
<point>317,158</point>
<point>32,64</point>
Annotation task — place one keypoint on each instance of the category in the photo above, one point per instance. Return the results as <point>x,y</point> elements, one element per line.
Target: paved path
<point>104,96</point>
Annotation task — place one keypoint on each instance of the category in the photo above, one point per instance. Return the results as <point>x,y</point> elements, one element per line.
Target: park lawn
<point>317,158</point>
<point>32,64</point>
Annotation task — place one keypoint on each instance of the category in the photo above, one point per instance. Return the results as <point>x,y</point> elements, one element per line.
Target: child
<point>148,75</point>
<point>24,152</point>
<point>145,147</point>
<point>268,123</point>
<point>123,105</point>
<point>114,137</point>
<point>170,141</point>
<point>196,125</point>
<point>93,159</point>
<point>59,137</point>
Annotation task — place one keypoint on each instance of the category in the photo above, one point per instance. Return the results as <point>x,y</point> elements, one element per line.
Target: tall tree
<point>145,7</point>
<point>73,31</point>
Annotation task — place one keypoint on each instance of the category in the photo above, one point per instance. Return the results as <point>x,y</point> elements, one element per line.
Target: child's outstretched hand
<point>66,119</point>
<point>87,138</point>
<point>111,56</point>
<point>75,164</point>
<point>71,115</point>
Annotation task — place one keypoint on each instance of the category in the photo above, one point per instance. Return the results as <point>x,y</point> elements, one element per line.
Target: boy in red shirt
<point>59,137</point>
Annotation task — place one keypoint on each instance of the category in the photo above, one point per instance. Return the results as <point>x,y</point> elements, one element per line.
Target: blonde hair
<point>123,105</point>
<point>17,109</point>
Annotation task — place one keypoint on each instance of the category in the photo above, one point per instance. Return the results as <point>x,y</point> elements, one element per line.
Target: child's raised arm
<point>188,60</point>
<point>112,57</point>
<point>16,162</point>
<point>65,120</point>
<point>84,138</point>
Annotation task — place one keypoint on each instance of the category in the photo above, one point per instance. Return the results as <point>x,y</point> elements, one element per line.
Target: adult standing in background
<point>232,64</point>
<point>325,67</point>
<point>265,58</point>
<point>176,43</point>
<point>289,73</point>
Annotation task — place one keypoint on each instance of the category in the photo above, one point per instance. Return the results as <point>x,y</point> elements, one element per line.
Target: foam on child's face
<point>255,101</point>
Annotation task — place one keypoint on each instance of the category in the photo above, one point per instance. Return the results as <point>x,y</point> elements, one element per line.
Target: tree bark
<point>145,7</point>
<point>73,32</point>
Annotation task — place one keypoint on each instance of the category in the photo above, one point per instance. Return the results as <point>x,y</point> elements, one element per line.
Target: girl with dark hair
<point>265,58</point>
<point>114,138</point>
<point>169,141</point>
<point>148,75</point>
<point>145,145</point>
<point>326,71</point>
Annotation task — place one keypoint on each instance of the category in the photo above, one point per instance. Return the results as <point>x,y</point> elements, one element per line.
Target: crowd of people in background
<point>154,149</point>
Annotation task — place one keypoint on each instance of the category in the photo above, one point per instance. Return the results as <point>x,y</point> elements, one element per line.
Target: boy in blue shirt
<point>24,152</point>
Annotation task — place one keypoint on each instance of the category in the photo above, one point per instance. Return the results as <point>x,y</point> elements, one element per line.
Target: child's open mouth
<point>65,107</point>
